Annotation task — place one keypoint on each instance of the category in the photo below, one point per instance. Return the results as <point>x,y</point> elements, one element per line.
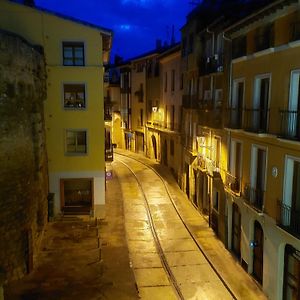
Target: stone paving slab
<point>151,277</point>
<point>157,293</point>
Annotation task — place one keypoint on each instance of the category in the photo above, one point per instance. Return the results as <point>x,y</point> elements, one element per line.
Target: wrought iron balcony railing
<point>254,197</point>
<point>256,120</point>
<point>190,101</point>
<point>290,124</point>
<point>234,118</point>
<point>288,218</point>
<point>233,183</point>
<point>211,117</point>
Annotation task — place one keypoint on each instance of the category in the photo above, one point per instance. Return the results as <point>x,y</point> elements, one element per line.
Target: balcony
<point>232,183</point>
<point>211,64</point>
<point>256,120</point>
<point>288,218</point>
<point>190,101</point>
<point>254,197</point>
<point>211,117</point>
<point>290,124</point>
<point>234,118</point>
<point>295,31</point>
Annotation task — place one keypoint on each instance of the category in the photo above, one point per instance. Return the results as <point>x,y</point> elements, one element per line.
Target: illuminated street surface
<point>192,272</point>
<point>188,265</point>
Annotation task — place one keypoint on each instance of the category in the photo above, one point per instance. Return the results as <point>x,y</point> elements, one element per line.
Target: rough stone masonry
<point>23,157</point>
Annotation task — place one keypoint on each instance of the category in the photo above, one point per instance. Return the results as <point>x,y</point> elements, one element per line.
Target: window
<point>173,81</point>
<point>264,37</point>
<point>216,200</point>
<point>239,46</point>
<point>172,147</point>
<point>73,54</point>
<point>141,117</point>
<point>235,165</point>
<point>181,81</point>
<point>290,208</point>
<point>258,176</point>
<point>166,81</point>
<point>74,96</point>
<point>76,141</point>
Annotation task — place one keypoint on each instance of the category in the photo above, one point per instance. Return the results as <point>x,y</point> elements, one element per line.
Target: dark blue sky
<point>136,23</point>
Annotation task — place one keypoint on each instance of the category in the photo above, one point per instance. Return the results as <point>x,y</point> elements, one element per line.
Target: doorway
<point>236,231</point>
<point>258,252</point>
<point>77,195</point>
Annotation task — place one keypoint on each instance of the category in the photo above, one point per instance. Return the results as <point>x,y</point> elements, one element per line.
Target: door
<point>154,146</point>
<point>195,188</point>
<point>291,287</point>
<point>236,231</point>
<point>293,119</point>
<point>258,252</point>
<point>187,179</point>
<point>77,195</point>
<point>261,104</point>
<point>237,103</point>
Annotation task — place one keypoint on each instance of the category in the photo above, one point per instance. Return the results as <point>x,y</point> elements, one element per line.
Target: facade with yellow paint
<point>75,53</point>
<point>264,150</point>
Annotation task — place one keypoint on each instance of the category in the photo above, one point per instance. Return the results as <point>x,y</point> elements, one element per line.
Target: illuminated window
<point>74,96</point>
<point>76,141</point>
<point>73,54</point>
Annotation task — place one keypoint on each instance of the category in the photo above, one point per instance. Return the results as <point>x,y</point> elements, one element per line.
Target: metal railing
<point>190,101</point>
<point>234,118</point>
<point>254,197</point>
<point>290,124</point>
<point>256,120</point>
<point>288,218</point>
<point>211,117</point>
<point>233,183</point>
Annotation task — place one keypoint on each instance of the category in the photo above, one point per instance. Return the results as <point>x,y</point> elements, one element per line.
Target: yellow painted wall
<point>50,31</point>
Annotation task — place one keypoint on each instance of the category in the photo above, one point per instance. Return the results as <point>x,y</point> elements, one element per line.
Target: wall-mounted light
<point>154,108</point>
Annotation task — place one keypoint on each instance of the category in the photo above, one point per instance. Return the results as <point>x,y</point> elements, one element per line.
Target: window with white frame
<point>74,96</point>
<point>258,176</point>
<point>73,53</point>
<point>291,193</point>
<point>76,141</point>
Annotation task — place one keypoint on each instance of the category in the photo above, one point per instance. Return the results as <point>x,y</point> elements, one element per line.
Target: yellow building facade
<point>75,53</point>
<point>264,149</point>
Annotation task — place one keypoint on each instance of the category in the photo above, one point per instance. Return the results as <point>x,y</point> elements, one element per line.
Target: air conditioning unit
<point>216,56</point>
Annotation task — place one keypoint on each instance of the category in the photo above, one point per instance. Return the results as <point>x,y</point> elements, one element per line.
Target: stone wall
<point>23,159</point>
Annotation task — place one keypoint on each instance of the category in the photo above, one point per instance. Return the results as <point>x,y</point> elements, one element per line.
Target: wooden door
<point>258,252</point>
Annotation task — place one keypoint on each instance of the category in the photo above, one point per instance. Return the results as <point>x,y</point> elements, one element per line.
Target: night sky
<point>136,23</point>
